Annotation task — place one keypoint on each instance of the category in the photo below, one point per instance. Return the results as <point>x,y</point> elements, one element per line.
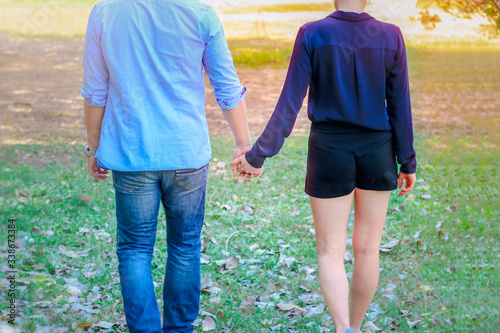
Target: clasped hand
<point>242,168</point>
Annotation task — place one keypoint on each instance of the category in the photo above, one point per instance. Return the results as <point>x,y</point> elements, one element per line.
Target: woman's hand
<point>238,151</point>
<point>245,170</point>
<point>409,181</point>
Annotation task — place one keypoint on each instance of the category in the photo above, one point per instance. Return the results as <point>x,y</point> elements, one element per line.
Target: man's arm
<point>93,121</point>
<point>237,120</point>
<point>95,91</point>
<point>229,93</point>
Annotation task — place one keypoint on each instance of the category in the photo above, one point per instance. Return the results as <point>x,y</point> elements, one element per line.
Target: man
<point>145,115</point>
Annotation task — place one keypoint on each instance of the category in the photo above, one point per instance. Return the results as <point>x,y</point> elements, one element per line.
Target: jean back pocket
<point>190,179</point>
<point>128,181</point>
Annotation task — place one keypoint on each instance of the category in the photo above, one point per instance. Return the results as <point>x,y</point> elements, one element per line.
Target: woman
<point>359,103</point>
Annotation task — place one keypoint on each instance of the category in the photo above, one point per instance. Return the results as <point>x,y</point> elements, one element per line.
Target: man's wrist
<point>89,152</point>
<point>244,143</point>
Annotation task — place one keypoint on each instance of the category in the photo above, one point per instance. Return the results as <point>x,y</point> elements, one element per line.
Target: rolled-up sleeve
<point>95,72</point>
<point>218,63</point>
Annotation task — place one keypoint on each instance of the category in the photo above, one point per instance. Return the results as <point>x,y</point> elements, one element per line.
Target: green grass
<point>260,53</point>
<point>459,264</point>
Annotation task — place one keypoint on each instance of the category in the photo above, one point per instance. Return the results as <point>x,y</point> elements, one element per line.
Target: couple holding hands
<point>144,109</point>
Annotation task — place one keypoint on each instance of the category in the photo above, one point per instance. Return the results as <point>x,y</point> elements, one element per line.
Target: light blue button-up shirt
<point>144,61</point>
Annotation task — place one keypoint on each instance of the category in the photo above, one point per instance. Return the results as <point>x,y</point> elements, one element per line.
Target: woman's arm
<point>399,109</point>
<point>292,97</point>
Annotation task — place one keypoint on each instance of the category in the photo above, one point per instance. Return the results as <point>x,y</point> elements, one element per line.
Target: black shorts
<point>342,157</point>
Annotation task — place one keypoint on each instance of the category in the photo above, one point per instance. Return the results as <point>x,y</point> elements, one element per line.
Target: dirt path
<point>40,101</point>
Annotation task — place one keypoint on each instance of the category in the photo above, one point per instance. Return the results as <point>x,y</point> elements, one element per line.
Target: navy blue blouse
<point>357,73</point>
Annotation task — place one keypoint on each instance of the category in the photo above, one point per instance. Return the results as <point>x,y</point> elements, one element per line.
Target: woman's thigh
<point>370,211</point>
<point>330,222</point>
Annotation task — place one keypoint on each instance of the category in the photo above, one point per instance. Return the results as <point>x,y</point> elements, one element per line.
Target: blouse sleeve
<point>399,109</point>
<point>290,102</point>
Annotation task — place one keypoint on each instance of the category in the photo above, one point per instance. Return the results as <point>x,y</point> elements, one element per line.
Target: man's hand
<point>94,170</point>
<point>246,169</point>
<point>409,182</point>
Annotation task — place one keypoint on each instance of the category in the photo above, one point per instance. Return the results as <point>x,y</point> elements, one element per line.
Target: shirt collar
<point>350,16</point>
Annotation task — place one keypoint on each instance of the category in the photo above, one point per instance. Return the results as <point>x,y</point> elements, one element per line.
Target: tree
<point>466,9</point>
<point>494,11</point>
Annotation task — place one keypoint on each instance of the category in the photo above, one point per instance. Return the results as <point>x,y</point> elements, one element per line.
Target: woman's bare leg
<point>330,222</point>
<point>370,210</point>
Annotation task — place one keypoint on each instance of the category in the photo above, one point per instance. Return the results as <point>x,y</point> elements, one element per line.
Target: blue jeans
<point>138,196</point>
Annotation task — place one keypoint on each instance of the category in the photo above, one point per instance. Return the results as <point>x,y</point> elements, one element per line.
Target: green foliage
<point>494,11</point>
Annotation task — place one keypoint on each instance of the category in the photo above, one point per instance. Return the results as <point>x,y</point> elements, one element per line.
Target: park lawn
<point>443,277</point>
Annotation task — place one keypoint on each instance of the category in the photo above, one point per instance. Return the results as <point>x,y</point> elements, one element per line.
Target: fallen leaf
<point>206,283</point>
<point>84,325</point>
<point>309,298</point>
<point>248,209</point>
<point>284,260</point>
<point>204,261</point>
<point>253,247</point>
<point>247,304</point>
<point>426,196</point>
<point>86,308</point>
<point>20,193</point>
<point>232,263</point>
<point>404,312</point>
<point>208,324</point>
<point>310,278</point>
<point>101,234</point>
<point>306,289</point>
<point>6,328</point>
<point>390,246</point>
<point>36,230</point>
<point>347,256</point>
<point>275,328</point>
<point>315,310</point>
<point>289,307</point>
<point>214,290</point>
<point>86,198</point>
<point>206,313</point>
<point>371,326</point>
<point>425,289</point>
<point>105,324</point>
<point>414,323</point>
<point>215,299</point>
